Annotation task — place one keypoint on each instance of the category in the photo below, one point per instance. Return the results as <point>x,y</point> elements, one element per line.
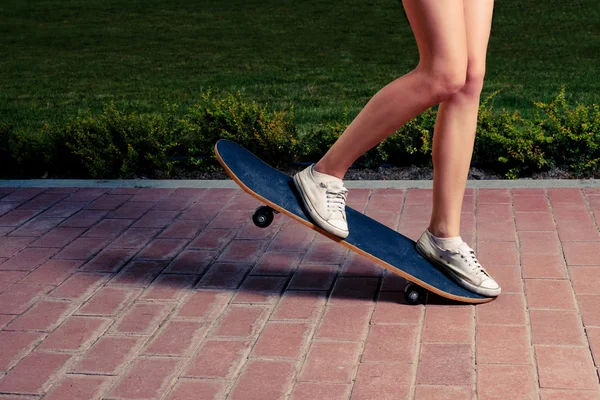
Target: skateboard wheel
<point>263,216</point>
<point>414,294</point>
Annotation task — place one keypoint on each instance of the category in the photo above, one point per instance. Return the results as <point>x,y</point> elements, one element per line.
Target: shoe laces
<point>468,254</point>
<point>336,196</point>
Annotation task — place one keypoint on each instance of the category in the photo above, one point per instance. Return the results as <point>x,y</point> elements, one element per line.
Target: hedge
<point>124,144</point>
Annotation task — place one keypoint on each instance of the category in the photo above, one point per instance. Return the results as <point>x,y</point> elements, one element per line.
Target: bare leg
<point>440,33</point>
<point>455,127</point>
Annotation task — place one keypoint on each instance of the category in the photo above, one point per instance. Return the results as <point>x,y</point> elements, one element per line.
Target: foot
<point>324,197</point>
<point>460,263</point>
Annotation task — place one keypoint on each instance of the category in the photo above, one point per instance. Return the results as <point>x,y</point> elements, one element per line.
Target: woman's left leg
<point>454,133</point>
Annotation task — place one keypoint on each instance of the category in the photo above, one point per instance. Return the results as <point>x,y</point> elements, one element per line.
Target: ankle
<point>327,171</point>
<point>442,232</point>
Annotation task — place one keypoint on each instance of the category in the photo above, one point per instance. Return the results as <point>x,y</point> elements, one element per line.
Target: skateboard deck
<point>368,237</point>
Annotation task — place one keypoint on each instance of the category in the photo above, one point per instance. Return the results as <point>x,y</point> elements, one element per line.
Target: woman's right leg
<point>440,33</point>
<point>439,29</point>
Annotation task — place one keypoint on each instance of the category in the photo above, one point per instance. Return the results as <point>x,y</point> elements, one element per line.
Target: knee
<point>444,82</point>
<point>474,79</point>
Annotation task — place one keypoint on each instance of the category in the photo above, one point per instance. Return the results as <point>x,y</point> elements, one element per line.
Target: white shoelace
<point>336,196</point>
<point>468,254</point>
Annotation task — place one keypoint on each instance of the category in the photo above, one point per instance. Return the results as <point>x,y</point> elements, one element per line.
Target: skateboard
<point>368,237</point>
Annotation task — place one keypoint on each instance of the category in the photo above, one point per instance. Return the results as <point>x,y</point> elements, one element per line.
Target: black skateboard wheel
<point>263,216</point>
<point>414,294</point>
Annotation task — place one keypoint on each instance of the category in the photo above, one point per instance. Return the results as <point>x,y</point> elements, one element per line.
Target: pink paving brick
<point>64,209</point>
<point>191,262</point>
<point>125,190</point>
<point>418,195</point>
<point>79,286</point>
<point>109,260</point>
<point>550,294</point>
<point>163,249</point>
<point>494,212</point>
<point>582,253</point>
<point>299,305</point>
<point>152,194</point>
<point>507,309</point>
<point>387,218</point>
<point>169,287</point>
<point>350,290</point>
<point>509,278</point>
<point>566,368</point>
<point>176,338</point>
<point>76,334</point>
<point>131,210</point>
<point>423,392</point>
<point>218,359</point>
<point>392,282</point>
<point>243,251</point>
<point>252,232</point>
<point>543,266</point>
<point>109,355</point>
<point>241,321</point>
<point>109,301</point>
<point>534,221</point>
<point>580,232</point>
<point>293,237</point>
<point>82,248</point>
<point>275,377</point>
<point>16,345</point>
<point>345,322</point>
<point>588,305</point>
<point>212,239</point>
<point>260,289</point>
<point>108,202</point>
<point>331,362</point>
<point>557,195</point>
<point>498,344</point>
<point>391,343</point>
<point>8,278</point>
<point>383,381</point>
<point>84,219</point>
<point>7,206</point>
<point>282,340</point>
<point>177,201</point>
<point>36,227</point>
<point>52,272</point>
<point>224,275</point>
<point>313,277</point>
<point>229,219</point>
<point>156,219</point>
<point>202,211</point>
<point>44,316</point>
<point>539,243</point>
<point>17,217</point>
<point>311,391</point>
<point>182,229</point>
<point>18,298</point>
<point>28,259</point>
<point>556,327</point>
<point>203,304</point>
<point>58,237</point>
<point>12,245</point>
<point>391,308</point>
<point>141,319</point>
<point>134,238</point>
<point>220,196</point>
<point>149,378</point>
<point>530,203</point>
<point>493,196</point>
<point>325,253</point>
<point>445,364</point>
<point>574,212</point>
<point>87,194</point>
<point>412,212</point>
<point>23,194</point>
<point>496,231</point>
<point>498,253</point>
<point>449,325</point>
<point>138,273</point>
<point>192,389</point>
<point>506,382</point>
<point>593,335</point>
<point>277,263</point>
<point>80,387</point>
<point>108,228</point>
<point>565,394</point>
<point>357,265</point>
<point>34,374</point>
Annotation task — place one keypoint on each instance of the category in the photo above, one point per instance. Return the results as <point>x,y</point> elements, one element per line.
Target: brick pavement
<point>175,294</point>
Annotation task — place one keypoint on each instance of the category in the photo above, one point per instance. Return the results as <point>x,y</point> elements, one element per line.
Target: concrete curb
<point>351,184</point>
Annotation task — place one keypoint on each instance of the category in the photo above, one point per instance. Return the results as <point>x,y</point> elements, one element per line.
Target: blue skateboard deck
<point>367,237</point>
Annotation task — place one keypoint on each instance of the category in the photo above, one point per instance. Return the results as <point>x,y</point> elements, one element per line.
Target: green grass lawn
<point>322,55</point>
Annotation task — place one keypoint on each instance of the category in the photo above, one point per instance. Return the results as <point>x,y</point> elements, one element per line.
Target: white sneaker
<point>461,264</point>
<point>324,197</point>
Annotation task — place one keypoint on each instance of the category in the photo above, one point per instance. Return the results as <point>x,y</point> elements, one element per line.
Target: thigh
<point>478,23</point>
<point>440,31</point>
